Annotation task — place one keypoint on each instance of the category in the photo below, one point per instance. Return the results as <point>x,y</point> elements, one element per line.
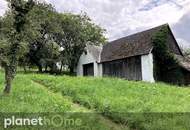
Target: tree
<point>35,34</point>
<point>67,31</point>
<point>77,31</point>
<point>12,44</point>
<point>40,34</point>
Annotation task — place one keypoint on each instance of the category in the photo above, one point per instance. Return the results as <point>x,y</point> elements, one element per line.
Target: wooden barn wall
<point>129,68</point>
<point>187,77</point>
<point>172,44</point>
<point>175,75</point>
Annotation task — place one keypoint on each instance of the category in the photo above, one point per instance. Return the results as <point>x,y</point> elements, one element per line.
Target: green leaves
<point>4,49</point>
<point>38,33</point>
<point>165,63</point>
<point>77,31</point>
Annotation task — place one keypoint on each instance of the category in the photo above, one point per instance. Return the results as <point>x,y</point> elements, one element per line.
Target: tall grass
<point>126,101</point>
<point>26,94</point>
<point>29,99</point>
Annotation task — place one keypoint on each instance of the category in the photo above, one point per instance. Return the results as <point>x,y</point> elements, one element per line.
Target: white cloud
<point>124,17</point>
<point>183,43</point>
<point>182,31</point>
<point>3,7</point>
<point>121,18</point>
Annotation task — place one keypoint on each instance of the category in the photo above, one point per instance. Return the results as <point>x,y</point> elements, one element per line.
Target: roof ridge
<point>134,45</point>
<point>166,24</point>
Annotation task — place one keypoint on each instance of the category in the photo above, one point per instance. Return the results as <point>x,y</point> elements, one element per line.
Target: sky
<point>124,17</point>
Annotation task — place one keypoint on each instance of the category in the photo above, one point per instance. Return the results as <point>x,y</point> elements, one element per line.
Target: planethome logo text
<point>13,121</point>
<point>56,121</point>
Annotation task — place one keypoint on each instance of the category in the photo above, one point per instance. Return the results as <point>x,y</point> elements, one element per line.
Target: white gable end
<point>88,58</point>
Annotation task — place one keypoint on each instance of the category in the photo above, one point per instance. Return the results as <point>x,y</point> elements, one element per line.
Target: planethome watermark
<point>55,121</point>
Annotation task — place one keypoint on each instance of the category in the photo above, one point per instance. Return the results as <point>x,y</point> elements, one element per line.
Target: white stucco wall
<point>100,70</point>
<point>86,59</point>
<point>146,64</point>
<point>147,68</point>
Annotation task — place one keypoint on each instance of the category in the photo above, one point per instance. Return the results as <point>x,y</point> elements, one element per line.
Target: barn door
<point>88,69</point>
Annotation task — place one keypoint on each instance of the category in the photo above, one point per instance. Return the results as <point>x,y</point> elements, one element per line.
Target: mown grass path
<point>75,107</point>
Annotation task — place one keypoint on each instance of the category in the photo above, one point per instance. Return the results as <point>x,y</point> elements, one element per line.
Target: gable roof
<point>95,51</point>
<point>133,45</point>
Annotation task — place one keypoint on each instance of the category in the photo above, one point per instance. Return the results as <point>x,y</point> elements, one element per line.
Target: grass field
<point>129,96</point>
<point>30,97</point>
<point>138,105</point>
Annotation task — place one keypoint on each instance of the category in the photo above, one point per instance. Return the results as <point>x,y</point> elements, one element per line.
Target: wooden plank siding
<point>129,68</point>
<point>187,78</point>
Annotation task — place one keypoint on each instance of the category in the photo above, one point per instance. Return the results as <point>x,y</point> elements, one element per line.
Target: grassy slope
<point>30,97</point>
<point>112,97</point>
<point>27,94</point>
<point>115,97</point>
<point>121,95</point>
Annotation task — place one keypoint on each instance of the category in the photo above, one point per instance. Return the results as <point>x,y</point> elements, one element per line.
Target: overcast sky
<point>123,17</point>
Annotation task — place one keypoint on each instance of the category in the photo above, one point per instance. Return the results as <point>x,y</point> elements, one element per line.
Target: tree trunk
<point>61,68</point>
<point>9,75</point>
<point>46,67</point>
<point>71,70</point>
<point>40,68</point>
<point>24,68</point>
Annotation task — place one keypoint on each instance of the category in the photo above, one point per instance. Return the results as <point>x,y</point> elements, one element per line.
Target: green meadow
<point>103,103</point>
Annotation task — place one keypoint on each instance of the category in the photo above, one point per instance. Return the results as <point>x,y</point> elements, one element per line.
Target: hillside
<point>29,97</point>
<point>120,103</point>
<point>130,96</point>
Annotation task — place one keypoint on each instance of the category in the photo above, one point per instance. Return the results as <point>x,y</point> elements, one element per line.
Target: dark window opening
<point>88,69</point>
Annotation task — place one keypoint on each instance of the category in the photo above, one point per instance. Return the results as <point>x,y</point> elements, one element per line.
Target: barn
<point>131,58</point>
